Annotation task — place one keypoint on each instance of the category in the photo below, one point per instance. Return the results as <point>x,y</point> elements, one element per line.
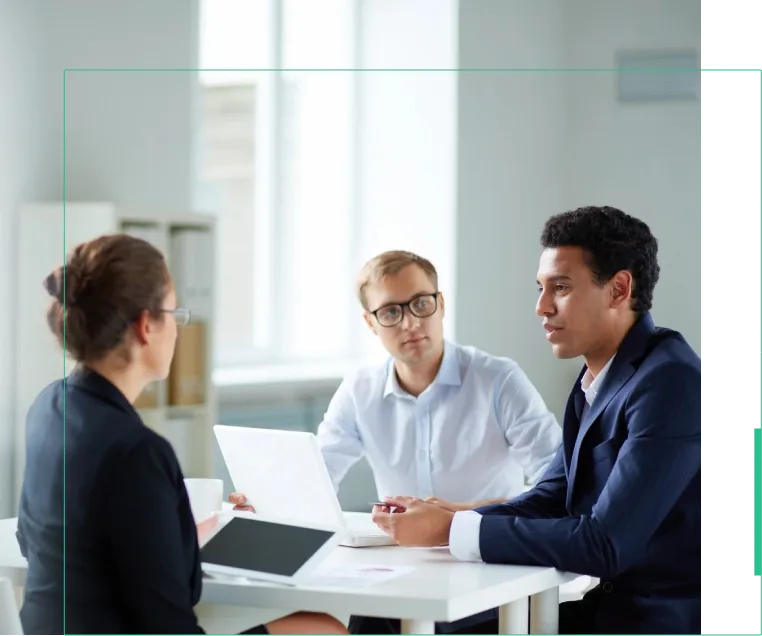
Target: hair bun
<point>54,284</point>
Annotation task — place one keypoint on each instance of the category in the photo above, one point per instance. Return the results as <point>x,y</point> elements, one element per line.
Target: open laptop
<point>267,548</point>
<point>285,476</point>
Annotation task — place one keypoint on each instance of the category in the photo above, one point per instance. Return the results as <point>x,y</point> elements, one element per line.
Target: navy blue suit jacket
<point>622,499</point>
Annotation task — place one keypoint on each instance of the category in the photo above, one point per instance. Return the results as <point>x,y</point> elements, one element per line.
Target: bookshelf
<point>182,408</point>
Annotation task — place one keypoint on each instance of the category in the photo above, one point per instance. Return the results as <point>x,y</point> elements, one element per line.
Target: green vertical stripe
<point>757,501</point>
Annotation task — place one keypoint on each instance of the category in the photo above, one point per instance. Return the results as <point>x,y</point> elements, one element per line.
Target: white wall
<point>642,158</point>
<point>512,140</point>
<point>129,136</point>
<point>20,48</point>
<point>531,144</point>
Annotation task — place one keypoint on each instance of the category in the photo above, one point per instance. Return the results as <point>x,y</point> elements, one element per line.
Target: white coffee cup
<point>205,497</point>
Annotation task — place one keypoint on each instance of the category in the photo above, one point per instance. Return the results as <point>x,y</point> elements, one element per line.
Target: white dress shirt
<point>479,431</point>
<point>466,525</point>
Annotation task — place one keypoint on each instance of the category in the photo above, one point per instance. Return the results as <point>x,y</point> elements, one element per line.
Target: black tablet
<point>247,544</point>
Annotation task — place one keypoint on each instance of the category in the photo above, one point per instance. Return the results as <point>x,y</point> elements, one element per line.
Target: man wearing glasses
<point>446,423</point>
<point>437,420</point>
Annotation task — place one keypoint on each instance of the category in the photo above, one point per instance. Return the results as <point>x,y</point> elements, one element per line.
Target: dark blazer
<point>622,499</point>
<point>117,547</point>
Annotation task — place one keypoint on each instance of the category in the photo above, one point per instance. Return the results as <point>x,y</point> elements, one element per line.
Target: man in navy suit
<point>621,501</point>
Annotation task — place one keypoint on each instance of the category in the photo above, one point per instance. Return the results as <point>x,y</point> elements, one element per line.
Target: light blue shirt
<point>479,431</point>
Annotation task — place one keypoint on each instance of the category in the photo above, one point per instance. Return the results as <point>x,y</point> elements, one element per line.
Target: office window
<point>228,165</point>
<point>317,179</point>
<point>276,165</point>
<point>314,171</point>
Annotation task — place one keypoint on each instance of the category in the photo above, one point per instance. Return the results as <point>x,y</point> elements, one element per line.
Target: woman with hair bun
<point>105,522</point>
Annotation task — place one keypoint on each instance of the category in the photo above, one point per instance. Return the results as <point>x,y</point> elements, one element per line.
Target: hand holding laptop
<point>240,502</point>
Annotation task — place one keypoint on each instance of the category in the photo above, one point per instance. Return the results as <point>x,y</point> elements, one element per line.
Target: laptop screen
<point>282,472</point>
<point>263,546</point>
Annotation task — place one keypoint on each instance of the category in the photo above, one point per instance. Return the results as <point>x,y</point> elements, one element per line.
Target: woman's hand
<point>240,501</point>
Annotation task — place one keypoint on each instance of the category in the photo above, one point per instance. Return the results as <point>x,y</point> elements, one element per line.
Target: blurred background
<point>269,178</point>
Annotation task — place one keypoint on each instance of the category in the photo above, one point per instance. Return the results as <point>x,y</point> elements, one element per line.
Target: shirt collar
<point>591,385</point>
<point>448,374</point>
<point>93,382</point>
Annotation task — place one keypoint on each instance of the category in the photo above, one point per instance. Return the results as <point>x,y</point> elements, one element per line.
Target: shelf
<point>136,222</point>
<point>179,412</point>
<point>175,412</point>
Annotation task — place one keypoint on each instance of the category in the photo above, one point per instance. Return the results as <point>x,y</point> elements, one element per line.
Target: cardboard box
<point>149,398</point>
<point>187,375</point>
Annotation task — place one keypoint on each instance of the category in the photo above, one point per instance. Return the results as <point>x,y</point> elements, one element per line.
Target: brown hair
<point>388,264</point>
<point>104,287</point>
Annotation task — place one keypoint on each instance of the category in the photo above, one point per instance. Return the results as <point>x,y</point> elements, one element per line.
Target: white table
<point>441,588</point>
<point>12,564</point>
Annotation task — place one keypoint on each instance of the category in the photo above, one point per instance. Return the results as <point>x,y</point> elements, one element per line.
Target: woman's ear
<point>143,328</point>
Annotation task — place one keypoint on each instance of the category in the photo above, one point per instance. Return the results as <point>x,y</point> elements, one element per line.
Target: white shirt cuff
<point>464,536</point>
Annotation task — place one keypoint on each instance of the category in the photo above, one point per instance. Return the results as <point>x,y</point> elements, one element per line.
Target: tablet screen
<point>263,546</point>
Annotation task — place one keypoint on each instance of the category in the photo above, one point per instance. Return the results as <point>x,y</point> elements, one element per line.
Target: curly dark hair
<point>613,241</point>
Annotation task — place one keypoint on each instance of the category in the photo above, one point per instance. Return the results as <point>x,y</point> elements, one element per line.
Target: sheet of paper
<point>342,576</point>
<point>355,576</point>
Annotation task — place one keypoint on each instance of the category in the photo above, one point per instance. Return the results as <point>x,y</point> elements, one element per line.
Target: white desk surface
<point>441,588</point>
<point>12,564</point>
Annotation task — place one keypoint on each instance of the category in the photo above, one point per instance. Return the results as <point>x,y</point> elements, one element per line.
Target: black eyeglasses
<point>182,316</point>
<point>422,306</point>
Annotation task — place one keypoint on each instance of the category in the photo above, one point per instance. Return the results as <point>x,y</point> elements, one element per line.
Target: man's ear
<point>441,303</point>
<point>621,289</point>
<point>370,322</point>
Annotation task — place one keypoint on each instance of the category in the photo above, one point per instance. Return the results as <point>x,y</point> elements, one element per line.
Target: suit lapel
<point>579,402</point>
<point>621,370</point>
<point>615,379</point>
<point>570,428</point>
<point>572,419</point>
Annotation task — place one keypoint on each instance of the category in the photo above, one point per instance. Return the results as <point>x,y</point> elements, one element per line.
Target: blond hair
<point>389,264</point>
